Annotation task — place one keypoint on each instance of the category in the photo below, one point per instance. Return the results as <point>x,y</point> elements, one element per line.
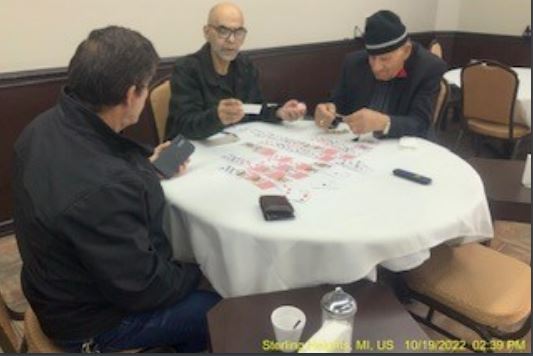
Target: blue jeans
<point>182,326</point>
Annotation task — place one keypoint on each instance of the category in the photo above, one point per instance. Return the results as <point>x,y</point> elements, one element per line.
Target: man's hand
<point>366,120</point>
<point>183,168</point>
<point>157,151</point>
<point>292,110</point>
<point>230,111</point>
<point>325,114</point>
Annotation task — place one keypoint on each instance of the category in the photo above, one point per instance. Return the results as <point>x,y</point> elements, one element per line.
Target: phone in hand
<point>172,157</point>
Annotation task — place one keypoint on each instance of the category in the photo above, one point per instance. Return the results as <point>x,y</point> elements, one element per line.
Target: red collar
<point>402,73</point>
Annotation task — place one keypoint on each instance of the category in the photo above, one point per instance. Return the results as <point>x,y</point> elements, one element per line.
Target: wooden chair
<point>9,341</point>
<point>483,289</point>
<point>441,102</point>
<point>38,342</point>
<point>453,100</point>
<point>435,48</point>
<point>489,92</point>
<point>159,99</point>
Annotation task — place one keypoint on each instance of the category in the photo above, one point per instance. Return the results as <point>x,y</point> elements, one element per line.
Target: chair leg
<point>477,145</point>
<point>458,140</point>
<point>5,343</point>
<point>429,316</point>
<point>440,330</point>
<point>514,150</point>
<point>444,118</point>
<point>24,346</point>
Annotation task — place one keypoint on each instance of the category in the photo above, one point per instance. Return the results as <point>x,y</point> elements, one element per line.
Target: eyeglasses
<point>225,33</point>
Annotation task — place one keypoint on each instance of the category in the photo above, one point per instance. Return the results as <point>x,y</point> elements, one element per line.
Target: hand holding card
<point>171,158</point>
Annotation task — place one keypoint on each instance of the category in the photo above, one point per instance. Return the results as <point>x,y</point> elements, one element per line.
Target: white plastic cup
<point>288,323</point>
<point>526,177</point>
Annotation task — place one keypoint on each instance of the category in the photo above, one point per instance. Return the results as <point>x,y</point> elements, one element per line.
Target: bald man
<point>210,86</point>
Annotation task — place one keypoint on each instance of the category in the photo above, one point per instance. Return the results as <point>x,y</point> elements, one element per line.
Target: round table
<point>522,111</point>
<point>355,216</point>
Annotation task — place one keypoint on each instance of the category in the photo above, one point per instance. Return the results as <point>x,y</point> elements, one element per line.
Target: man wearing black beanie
<point>389,88</point>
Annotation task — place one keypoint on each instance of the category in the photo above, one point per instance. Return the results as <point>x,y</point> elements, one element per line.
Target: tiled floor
<point>514,239</point>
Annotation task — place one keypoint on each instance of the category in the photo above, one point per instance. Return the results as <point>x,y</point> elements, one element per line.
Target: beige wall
<point>44,33</point>
<point>448,15</point>
<point>506,17</point>
<point>495,16</point>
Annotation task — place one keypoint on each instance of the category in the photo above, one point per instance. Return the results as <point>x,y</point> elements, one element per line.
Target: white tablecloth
<point>347,220</point>
<point>522,110</point>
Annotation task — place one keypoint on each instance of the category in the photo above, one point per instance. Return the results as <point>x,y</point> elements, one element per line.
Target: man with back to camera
<point>97,265</point>
<point>389,88</point>
<point>210,86</point>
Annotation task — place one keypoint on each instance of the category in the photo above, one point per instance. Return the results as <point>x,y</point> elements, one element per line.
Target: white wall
<point>448,15</point>
<point>44,33</point>
<point>508,17</point>
<point>504,17</point>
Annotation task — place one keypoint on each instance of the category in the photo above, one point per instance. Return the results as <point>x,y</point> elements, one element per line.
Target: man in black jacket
<point>210,86</point>
<point>388,89</point>
<point>97,266</point>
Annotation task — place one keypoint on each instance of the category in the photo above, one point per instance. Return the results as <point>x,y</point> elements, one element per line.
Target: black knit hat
<point>384,32</point>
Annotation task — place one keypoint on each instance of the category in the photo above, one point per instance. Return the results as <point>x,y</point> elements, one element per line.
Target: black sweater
<point>197,90</point>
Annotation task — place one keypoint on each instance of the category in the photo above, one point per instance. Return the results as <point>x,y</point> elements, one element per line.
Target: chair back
<point>435,48</point>
<point>37,341</point>
<point>442,99</point>
<point>9,342</point>
<point>159,100</point>
<point>489,92</point>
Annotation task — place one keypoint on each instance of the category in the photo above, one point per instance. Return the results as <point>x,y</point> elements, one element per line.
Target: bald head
<point>225,33</point>
<point>225,12</point>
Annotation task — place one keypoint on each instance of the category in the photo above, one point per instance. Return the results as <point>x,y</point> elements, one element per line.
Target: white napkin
<point>333,336</point>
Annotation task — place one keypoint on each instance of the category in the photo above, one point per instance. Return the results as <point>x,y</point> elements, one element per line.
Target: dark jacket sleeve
<point>418,120</point>
<point>187,115</point>
<point>108,230</point>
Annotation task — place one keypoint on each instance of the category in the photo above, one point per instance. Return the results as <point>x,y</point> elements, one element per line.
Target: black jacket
<point>412,98</point>
<point>197,90</point>
<point>88,219</point>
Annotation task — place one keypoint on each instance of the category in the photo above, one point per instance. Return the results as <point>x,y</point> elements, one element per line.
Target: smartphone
<point>172,157</point>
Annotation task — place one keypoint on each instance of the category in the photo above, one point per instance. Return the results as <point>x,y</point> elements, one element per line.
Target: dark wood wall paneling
<point>305,72</point>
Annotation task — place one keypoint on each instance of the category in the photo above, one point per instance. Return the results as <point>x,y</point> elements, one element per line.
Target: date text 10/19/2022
<point>390,345</point>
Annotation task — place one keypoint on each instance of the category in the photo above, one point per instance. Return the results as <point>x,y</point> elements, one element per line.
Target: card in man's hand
<point>172,157</point>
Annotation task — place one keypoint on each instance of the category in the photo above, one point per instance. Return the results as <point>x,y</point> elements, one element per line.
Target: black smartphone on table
<point>172,157</point>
